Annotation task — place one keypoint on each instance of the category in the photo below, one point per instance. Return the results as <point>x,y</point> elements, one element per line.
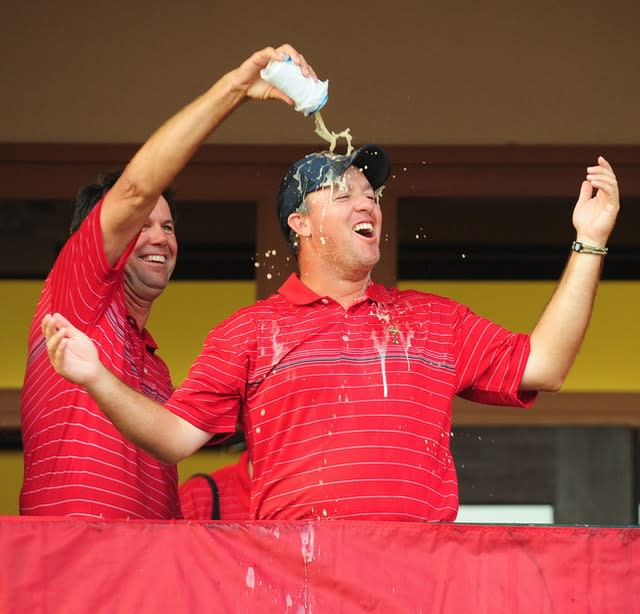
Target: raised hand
<point>594,215</point>
<point>72,354</point>
<point>246,78</point>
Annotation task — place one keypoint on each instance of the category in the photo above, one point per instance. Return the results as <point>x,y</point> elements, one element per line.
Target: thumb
<point>586,191</point>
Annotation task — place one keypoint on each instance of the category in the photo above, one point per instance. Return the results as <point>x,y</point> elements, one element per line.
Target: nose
<point>156,234</point>
<point>365,203</point>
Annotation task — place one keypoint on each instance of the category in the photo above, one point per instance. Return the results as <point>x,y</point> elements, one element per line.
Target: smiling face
<point>341,227</point>
<point>153,258</point>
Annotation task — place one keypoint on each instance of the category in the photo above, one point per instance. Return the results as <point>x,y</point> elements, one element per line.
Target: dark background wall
<point>399,72</point>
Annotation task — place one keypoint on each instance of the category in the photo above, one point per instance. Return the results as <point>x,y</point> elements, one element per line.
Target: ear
<point>299,223</point>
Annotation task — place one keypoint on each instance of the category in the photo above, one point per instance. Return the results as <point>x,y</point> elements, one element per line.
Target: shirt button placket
<point>345,327</point>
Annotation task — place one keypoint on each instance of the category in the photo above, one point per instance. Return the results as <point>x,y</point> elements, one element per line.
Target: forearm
<point>158,161</point>
<point>557,336</point>
<point>141,420</point>
<point>171,147</point>
<point>144,422</point>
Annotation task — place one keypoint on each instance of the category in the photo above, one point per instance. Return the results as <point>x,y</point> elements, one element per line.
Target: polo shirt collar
<point>147,339</point>
<point>297,293</point>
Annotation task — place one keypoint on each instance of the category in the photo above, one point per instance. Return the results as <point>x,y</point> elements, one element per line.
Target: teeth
<point>155,258</point>
<point>365,227</point>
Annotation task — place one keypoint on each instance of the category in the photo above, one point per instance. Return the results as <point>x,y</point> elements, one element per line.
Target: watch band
<point>581,248</point>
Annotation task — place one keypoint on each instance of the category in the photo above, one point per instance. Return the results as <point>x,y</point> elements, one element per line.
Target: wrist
<point>230,89</point>
<point>583,247</point>
<point>594,240</point>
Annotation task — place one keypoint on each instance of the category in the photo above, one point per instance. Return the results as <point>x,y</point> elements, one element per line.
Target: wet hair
<point>91,194</point>
<point>320,169</point>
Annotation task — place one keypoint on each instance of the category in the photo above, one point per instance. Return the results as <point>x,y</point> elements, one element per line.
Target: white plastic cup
<point>309,95</point>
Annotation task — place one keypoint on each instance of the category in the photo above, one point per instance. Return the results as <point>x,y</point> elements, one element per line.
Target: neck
<point>345,291</point>
<point>139,309</point>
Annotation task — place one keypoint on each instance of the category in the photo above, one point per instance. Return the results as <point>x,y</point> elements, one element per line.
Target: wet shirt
<point>347,413</point>
<point>75,462</point>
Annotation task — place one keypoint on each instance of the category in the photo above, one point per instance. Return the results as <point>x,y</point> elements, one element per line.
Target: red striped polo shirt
<point>347,413</point>
<point>75,462</point>
<point>233,487</point>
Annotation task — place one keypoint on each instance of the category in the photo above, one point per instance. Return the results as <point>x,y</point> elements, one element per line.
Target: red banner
<point>65,565</point>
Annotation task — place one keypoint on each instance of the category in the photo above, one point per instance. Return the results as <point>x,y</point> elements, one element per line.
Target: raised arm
<point>142,421</point>
<point>168,150</point>
<point>557,336</point>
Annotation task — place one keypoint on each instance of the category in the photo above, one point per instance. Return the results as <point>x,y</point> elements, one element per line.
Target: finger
<point>60,321</point>
<point>306,68</point>
<point>52,346</point>
<point>299,59</point>
<point>312,73</point>
<point>611,191</point>
<point>603,168</point>
<point>586,191</point>
<point>302,63</point>
<point>45,323</point>
<point>599,180</point>
<point>602,176</point>
<point>286,49</point>
<point>58,356</point>
<point>605,178</point>
<point>49,328</point>
<point>262,58</point>
<point>54,339</point>
<point>603,162</point>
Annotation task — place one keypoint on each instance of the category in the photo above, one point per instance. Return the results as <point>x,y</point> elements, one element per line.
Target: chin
<point>373,260</point>
<point>363,268</point>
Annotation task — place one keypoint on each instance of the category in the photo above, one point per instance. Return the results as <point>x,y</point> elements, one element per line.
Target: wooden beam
<point>42,170</point>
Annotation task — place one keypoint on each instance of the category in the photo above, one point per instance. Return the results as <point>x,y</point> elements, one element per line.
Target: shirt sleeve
<point>214,390</point>
<point>81,282</point>
<point>490,362</point>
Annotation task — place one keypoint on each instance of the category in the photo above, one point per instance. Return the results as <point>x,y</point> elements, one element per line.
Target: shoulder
<point>252,315</point>
<point>425,300</point>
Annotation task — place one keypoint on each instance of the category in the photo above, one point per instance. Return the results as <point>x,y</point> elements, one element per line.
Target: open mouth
<point>155,258</point>
<point>364,229</point>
